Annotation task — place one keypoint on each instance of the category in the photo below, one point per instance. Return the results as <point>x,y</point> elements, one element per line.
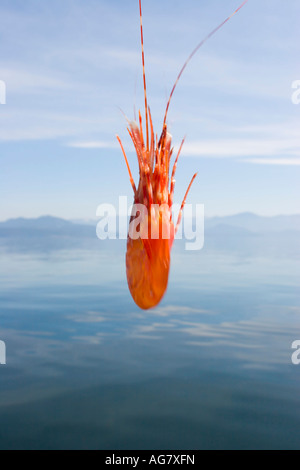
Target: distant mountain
<point>45,234</point>
<point>246,234</point>
<point>227,230</point>
<point>239,225</point>
<point>46,224</point>
<point>92,222</point>
<point>255,223</point>
<point>42,223</point>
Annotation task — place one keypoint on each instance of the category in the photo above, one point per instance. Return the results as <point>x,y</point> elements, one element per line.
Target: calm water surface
<point>210,368</point>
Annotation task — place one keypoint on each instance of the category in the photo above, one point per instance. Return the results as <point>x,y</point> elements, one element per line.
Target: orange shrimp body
<point>147,269</point>
<point>151,229</point>
<point>148,256</point>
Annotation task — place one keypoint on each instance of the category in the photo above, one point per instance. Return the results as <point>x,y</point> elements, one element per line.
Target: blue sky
<point>69,66</point>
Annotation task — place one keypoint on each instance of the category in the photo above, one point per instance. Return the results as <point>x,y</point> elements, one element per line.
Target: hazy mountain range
<point>239,223</point>
<point>244,232</point>
<point>46,224</point>
<point>255,223</point>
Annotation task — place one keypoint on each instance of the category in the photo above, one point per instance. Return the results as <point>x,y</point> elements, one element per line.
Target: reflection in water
<point>209,368</point>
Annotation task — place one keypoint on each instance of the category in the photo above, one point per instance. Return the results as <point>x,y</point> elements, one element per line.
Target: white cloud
<point>19,124</point>
<point>93,145</point>
<point>21,80</point>
<point>274,161</point>
<point>242,148</point>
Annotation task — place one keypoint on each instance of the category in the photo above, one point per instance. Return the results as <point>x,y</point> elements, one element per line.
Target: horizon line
<point>96,219</point>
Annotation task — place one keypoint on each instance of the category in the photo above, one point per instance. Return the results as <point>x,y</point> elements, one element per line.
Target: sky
<point>72,68</point>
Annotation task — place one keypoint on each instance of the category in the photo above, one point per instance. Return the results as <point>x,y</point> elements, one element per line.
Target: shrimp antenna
<point>194,52</point>
<point>144,74</point>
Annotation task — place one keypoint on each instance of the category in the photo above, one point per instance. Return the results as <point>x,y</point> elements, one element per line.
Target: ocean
<point>210,368</point>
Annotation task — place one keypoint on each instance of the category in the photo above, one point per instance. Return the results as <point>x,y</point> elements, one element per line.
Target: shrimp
<point>148,255</point>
